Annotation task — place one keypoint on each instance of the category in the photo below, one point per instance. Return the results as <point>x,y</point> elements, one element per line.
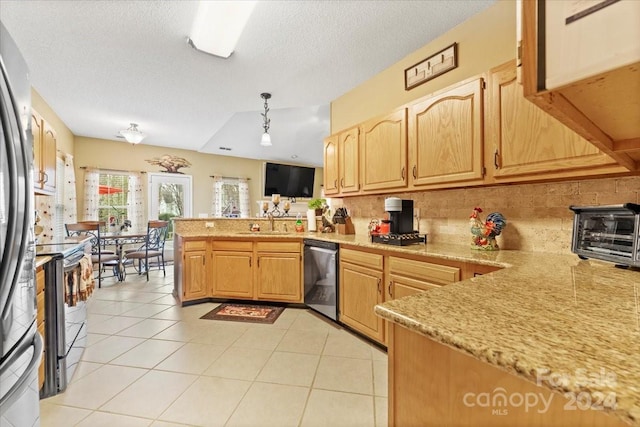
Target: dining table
<point>119,239</point>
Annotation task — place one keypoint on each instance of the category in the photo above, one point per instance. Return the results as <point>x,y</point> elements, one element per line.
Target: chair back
<point>156,235</point>
<point>90,229</point>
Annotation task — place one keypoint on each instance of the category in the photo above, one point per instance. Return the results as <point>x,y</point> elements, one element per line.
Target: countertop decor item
<point>318,205</point>
<point>483,234</point>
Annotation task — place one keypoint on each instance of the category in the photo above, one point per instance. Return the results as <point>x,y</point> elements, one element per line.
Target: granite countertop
<point>567,319</point>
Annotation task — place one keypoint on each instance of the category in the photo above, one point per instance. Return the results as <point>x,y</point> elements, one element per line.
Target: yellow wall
<point>484,41</point>
<point>64,135</point>
<point>118,155</point>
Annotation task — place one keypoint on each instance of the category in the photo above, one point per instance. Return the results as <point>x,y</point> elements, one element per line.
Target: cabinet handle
<point>335,183</point>
<point>342,182</point>
<point>45,177</point>
<point>379,287</point>
<point>203,258</point>
<point>415,167</point>
<point>390,292</point>
<point>249,262</point>
<point>403,172</point>
<point>258,262</point>
<point>495,159</point>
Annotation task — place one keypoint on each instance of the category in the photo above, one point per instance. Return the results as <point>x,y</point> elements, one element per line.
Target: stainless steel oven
<point>66,332</point>
<point>321,277</point>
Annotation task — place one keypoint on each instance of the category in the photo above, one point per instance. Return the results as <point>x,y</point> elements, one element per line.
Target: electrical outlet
<point>209,224</point>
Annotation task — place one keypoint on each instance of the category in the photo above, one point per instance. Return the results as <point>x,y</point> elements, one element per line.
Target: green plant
<point>317,203</point>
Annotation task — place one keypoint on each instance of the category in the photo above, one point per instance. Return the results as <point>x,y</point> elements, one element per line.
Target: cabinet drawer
<point>278,246</point>
<point>195,245</point>
<point>40,312</point>
<point>362,258</point>
<point>424,270</point>
<point>222,245</point>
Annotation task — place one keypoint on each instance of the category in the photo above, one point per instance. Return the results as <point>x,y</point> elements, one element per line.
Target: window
<point>230,197</point>
<point>112,201</point>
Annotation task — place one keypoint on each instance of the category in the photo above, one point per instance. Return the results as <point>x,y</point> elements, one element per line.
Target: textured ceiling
<point>103,64</point>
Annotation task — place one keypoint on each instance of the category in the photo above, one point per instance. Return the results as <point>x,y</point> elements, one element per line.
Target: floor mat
<point>244,313</point>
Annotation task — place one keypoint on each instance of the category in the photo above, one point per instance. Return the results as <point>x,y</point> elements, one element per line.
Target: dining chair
<point>91,229</point>
<point>153,248</point>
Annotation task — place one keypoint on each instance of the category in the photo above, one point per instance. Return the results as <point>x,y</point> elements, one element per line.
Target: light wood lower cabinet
<point>279,271</point>
<point>431,384</point>
<point>361,289</point>
<point>195,274</point>
<point>240,269</point>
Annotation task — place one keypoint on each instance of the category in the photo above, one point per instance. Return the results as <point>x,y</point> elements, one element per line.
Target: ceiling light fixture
<point>132,134</point>
<point>218,26</point>
<point>266,138</point>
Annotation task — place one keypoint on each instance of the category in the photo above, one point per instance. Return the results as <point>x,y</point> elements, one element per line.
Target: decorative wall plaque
<point>431,67</point>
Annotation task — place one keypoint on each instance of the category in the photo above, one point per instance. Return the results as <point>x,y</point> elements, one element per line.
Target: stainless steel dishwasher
<point>321,277</point>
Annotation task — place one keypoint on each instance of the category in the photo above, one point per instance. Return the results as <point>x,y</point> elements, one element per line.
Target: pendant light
<point>132,134</point>
<point>266,138</point>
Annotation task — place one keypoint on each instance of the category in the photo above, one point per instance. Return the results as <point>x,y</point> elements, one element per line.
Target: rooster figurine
<point>483,234</point>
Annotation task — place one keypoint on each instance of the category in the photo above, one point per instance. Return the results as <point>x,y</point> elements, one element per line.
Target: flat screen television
<point>288,180</point>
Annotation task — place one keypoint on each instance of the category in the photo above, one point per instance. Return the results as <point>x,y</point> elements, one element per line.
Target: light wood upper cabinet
<point>341,160</point>
<point>383,152</point>
<point>349,160</point>
<point>528,143</point>
<point>330,155</point>
<point>587,74</point>
<point>44,153</point>
<point>446,136</point>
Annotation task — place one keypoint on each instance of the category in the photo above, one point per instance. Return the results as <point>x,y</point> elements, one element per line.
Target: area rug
<point>244,313</point>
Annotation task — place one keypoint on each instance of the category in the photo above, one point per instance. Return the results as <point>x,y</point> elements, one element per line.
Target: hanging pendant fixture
<point>266,138</point>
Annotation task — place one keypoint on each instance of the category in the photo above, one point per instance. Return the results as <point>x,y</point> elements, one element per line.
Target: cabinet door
<point>331,176</point>
<point>36,130</point>
<point>232,274</point>
<point>348,159</point>
<point>360,290</point>
<point>446,136</point>
<point>49,156</point>
<point>529,142</point>
<point>383,152</point>
<point>279,277</point>
<point>195,275</point>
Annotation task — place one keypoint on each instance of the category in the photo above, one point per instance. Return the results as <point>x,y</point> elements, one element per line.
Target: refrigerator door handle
<point>18,388</point>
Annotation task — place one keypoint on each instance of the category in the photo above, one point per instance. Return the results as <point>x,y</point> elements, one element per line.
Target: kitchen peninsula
<point>571,325</point>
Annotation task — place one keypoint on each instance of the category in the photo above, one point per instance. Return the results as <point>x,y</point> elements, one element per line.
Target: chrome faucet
<point>270,216</point>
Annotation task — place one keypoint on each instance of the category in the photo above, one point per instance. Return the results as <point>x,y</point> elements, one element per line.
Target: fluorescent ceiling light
<point>218,26</point>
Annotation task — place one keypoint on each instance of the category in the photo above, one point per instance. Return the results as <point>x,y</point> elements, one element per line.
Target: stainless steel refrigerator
<point>20,342</point>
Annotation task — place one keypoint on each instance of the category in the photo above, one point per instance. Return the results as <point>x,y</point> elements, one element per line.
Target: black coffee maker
<point>400,215</point>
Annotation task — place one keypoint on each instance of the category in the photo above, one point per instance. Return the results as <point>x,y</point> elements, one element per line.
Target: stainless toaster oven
<point>610,233</point>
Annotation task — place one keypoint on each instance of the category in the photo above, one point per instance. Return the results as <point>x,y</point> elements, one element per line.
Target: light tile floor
<point>150,362</point>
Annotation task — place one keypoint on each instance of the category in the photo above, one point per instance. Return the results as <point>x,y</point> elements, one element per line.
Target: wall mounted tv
<point>288,180</point>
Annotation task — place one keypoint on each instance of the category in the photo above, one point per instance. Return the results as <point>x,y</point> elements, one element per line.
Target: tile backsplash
<point>538,215</point>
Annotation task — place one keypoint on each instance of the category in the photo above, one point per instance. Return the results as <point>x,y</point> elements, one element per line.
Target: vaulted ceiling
<point>103,64</point>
